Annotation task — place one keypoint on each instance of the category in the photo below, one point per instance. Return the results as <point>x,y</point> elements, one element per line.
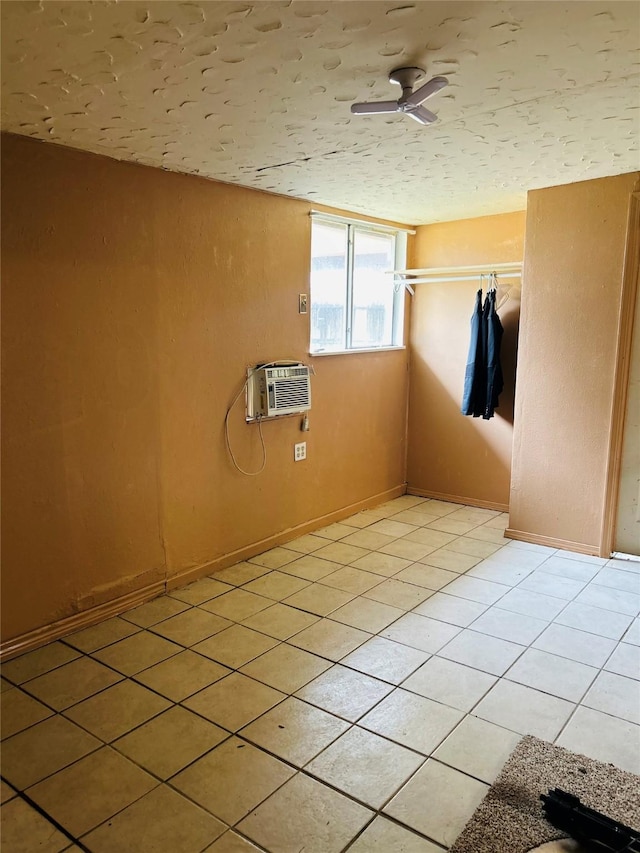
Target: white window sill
<point>356,351</point>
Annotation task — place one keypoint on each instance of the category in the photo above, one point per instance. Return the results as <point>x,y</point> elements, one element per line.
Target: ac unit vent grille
<point>278,391</point>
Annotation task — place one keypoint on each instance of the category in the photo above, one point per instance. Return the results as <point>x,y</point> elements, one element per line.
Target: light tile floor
<point>356,689</point>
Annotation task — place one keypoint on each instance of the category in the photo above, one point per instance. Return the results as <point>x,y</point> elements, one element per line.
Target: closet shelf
<point>467,273</point>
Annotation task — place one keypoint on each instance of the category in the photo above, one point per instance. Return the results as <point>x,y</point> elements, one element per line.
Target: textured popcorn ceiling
<point>258,93</point>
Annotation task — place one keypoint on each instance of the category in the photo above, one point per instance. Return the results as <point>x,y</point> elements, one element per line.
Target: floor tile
<point>368,539</point>
<point>452,561</point>
<point>295,731</point>
<point>280,621</point>
<point>383,836</point>
<point>20,711</point>
<point>396,529</point>
<point>381,564</point>
<point>475,589</point>
<point>477,748</point>
<point>155,611</point>
<point>594,620</point>
<point>365,766</point>
<point>632,634</point>
<point>337,552</point>
<point>231,780</point>
<point>93,789</point>
<point>25,830</point>
<point>275,558</point>
<point>306,544</point>
<point>489,654</point>
<point>582,558</point>
<point>532,546</point>
<point>532,604</point>
<point>407,549</point>
<point>499,572</point>
<point>437,801</point>
<point>573,569</point>
<point>310,567</point>
<point>366,614</point>
<point>403,595</point>
<point>330,640</point>
<point>420,632</point>
<point>616,695</point>
<point>182,675</point>
<point>240,573</point>
<point>450,683</point>
<point>305,815</point>
<point>235,646</point>
<point>350,579</point>
<point>526,559</point>
<point>276,585</point>
<point>473,547</point>
<point>318,599</point>
<point>163,821</point>
<point>607,598</point>
<point>72,683</point>
<point>412,720</point>
<point>622,580</point>
<point>344,692</point>
<point>334,531</point>
<point>575,645</point>
<point>43,749</point>
<point>558,676</point>
<point>427,576</point>
<point>6,793</point>
<point>234,701</point>
<point>231,842</point>
<point>137,652</point>
<point>566,588</point>
<point>433,539</point>
<point>524,710</point>
<point>169,742</point>
<point>117,710</point>
<point>200,591</point>
<point>38,662</point>
<point>410,516</point>
<point>190,627</point>
<point>385,660</point>
<point>286,668</point>
<point>238,604</point>
<point>448,608</point>
<point>604,738</point>
<point>509,626</point>
<point>487,534</point>
<point>625,661</point>
<point>102,634</point>
<point>448,525</point>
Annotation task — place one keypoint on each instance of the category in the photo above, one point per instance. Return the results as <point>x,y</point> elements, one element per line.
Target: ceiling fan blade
<point>374,107</point>
<point>422,115</point>
<point>420,95</point>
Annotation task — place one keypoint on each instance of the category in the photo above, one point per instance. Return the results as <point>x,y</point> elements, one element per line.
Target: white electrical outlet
<point>300,451</point>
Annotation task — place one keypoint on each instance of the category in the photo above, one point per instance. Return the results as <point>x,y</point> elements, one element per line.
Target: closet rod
<point>476,277</point>
<point>476,270</point>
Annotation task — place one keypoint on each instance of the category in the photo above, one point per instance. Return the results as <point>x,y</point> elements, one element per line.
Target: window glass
<point>354,304</point>
<point>372,311</point>
<point>328,287</point>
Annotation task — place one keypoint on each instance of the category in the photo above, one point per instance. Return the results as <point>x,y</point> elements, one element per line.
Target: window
<point>354,304</point>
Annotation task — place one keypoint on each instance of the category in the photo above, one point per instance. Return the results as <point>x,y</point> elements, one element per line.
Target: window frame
<point>399,262</point>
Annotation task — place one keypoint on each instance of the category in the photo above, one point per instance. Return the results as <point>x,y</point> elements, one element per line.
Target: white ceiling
<point>258,93</point>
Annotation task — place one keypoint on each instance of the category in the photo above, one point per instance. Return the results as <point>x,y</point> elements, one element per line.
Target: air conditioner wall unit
<point>278,390</point>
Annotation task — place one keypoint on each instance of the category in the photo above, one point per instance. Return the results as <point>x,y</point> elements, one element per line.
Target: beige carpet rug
<point>510,819</point>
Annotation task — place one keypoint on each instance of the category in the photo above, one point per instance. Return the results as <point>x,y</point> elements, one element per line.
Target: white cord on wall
<point>259,420</point>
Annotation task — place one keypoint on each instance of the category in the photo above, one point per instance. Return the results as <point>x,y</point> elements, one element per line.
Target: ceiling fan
<point>410,102</point>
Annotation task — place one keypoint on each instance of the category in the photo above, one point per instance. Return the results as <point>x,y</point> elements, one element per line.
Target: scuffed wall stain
<point>540,94</point>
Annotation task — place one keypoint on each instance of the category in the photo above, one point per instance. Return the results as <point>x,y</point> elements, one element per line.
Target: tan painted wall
<point>449,454</point>
<point>574,252</point>
<point>134,300</point>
